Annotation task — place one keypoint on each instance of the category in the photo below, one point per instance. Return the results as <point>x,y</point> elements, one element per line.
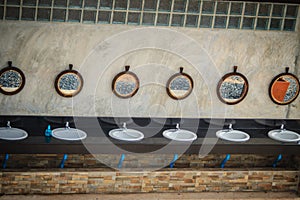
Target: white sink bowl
<point>284,135</point>
<point>12,134</point>
<point>180,135</point>
<point>126,134</point>
<point>233,135</point>
<point>70,134</point>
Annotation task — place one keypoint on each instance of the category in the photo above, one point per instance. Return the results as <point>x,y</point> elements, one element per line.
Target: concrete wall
<point>99,52</point>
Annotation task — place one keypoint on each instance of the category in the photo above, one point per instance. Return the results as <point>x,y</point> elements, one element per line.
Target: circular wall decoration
<point>125,84</point>
<point>12,80</point>
<point>180,85</point>
<point>232,88</point>
<point>284,88</point>
<point>68,83</point>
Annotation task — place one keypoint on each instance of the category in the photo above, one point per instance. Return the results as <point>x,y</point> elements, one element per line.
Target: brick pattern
<point>298,191</point>
<point>236,161</point>
<point>296,161</point>
<point>101,182</point>
<point>41,161</point>
<point>146,181</point>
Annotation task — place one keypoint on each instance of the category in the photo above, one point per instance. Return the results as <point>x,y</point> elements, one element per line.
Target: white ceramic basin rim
<point>233,135</point>
<point>12,134</point>
<point>180,135</point>
<point>126,134</point>
<point>70,134</point>
<point>284,135</point>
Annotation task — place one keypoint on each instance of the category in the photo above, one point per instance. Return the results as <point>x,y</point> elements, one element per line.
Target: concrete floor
<point>159,196</point>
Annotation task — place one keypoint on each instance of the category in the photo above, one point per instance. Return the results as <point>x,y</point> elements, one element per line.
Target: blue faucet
<point>48,131</point>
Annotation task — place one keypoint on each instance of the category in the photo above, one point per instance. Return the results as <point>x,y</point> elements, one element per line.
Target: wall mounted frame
<point>232,88</point>
<point>68,83</point>
<point>284,88</point>
<point>180,85</point>
<point>12,80</point>
<point>125,84</point>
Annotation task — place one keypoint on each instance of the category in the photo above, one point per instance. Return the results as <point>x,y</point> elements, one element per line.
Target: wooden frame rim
<point>22,77</point>
<point>275,79</point>
<point>172,78</point>
<point>244,93</point>
<point>126,72</point>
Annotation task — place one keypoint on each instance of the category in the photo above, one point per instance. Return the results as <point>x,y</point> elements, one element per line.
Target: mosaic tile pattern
<point>187,13</point>
<point>180,83</point>
<point>69,81</point>
<point>125,88</point>
<point>10,79</point>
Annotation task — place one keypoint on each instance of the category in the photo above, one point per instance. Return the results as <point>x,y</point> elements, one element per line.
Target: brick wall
<point>298,191</point>
<point>39,174</point>
<point>21,161</point>
<point>184,180</point>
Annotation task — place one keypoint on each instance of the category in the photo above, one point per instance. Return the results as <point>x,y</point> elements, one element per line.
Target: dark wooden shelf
<point>103,145</point>
<point>98,141</point>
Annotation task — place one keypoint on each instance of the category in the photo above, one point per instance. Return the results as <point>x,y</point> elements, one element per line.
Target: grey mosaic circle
<point>292,89</point>
<point>230,89</point>
<point>11,79</point>
<point>180,83</point>
<point>69,81</point>
<point>124,87</point>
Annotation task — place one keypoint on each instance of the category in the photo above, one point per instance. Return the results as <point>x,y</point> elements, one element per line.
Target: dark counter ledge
<point>98,141</point>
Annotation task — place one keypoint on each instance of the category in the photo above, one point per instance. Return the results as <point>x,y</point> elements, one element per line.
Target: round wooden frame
<point>128,73</point>
<point>275,79</point>
<point>181,73</point>
<point>245,90</point>
<point>12,68</point>
<point>60,75</point>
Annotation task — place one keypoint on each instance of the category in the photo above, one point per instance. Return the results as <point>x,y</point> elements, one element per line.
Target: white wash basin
<point>233,135</point>
<point>126,134</point>
<point>284,135</point>
<point>70,134</point>
<point>179,134</point>
<point>8,133</point>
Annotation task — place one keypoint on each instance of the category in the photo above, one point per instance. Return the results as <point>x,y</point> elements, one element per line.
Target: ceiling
<point>272,1</point>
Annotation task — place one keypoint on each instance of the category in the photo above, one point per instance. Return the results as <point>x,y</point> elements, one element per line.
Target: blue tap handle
<point>62,163</point>
<point>48,131</point>
<point>5,161</point>
<point>121,161</point>
<point>277,160</point>
<point>225,160</point>
<point>174,160</point>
